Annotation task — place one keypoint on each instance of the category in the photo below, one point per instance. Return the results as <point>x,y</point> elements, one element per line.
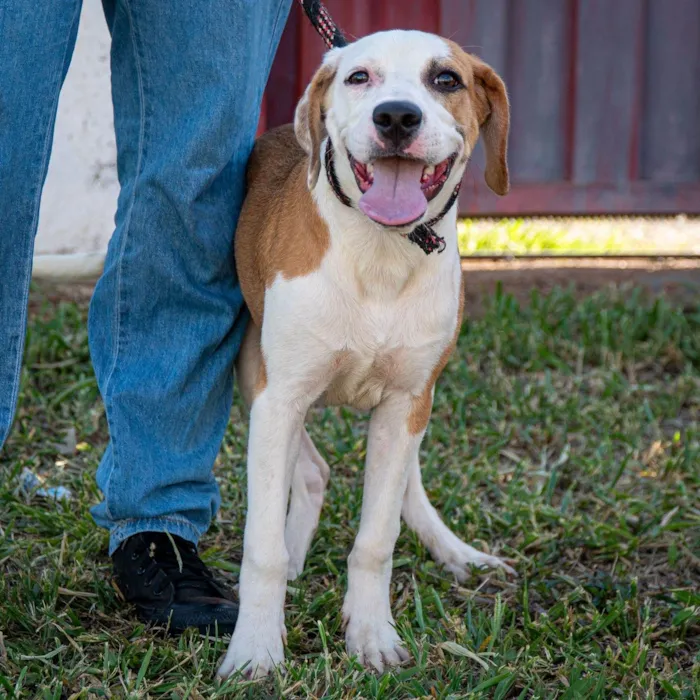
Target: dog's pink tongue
<point>395,197</point>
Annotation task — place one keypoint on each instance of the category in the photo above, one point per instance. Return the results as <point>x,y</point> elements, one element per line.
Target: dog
<point>346,251</point>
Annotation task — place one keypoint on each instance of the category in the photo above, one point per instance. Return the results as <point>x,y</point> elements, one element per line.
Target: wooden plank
<point>283,88</point>
<point>608,87</point>
<point>480,27</point>
<point>538,75</point>
<point>561,198</point>
<point>418,14</point>
<point>263,125</point>
<point>671,130</point>
<point>362,17</point>
<point>357,18</point>
<point>311,47</point>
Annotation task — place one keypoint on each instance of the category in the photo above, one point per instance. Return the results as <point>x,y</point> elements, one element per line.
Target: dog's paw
<point>458,558</point>
<point>297,546</point>
<point>255,648</point>
<point>295,568</point>
<point>298,534</point>
<point>374,641</point>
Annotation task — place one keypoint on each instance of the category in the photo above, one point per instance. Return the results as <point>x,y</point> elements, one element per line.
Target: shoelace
<point>194,575</point>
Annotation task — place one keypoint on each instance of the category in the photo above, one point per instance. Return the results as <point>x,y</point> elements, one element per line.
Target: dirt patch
<point>677,279</point>
<point>43,290</point>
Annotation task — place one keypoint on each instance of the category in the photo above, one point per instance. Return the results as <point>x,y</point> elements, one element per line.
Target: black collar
<point>423,235</point>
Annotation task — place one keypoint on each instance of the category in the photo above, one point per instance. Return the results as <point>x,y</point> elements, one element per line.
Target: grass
<point>521,236</point>
<point>566,434</point>
<point>577,236</point>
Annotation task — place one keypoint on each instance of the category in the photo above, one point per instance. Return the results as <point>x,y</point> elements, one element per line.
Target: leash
<point>423,235</point>
<point>323,23</point>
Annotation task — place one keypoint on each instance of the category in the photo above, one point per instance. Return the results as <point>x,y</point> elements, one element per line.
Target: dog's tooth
<point>370,169</point>
<point>428,170</point>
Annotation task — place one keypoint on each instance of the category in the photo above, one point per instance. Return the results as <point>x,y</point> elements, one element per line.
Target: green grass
<point>528,236</point>
<point>577,236</point>
<point>566,434</point>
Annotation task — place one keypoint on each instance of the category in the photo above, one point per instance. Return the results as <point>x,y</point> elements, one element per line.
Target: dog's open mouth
<point>396,191</point>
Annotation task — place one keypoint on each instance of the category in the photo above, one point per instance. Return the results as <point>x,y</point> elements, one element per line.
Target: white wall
<point>79,199</point>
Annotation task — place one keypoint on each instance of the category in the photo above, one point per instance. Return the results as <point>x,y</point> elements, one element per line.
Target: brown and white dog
<point>347,309</point>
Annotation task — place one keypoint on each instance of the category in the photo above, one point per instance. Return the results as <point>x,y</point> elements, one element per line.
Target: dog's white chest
<point>362,378</point>
<point>358,329</point>
<point>384,347</point>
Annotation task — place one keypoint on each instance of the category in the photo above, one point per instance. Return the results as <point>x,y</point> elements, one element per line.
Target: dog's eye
<point>359,77</point>
<point>447,80</point>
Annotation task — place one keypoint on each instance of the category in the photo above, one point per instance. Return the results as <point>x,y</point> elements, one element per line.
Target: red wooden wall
<point>605,95</point>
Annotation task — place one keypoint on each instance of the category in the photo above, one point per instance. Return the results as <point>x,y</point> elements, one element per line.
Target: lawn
<point>566,435</point>
<point>580,236</point>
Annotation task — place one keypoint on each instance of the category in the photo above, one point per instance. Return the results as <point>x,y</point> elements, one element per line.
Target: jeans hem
<point>173,525</point>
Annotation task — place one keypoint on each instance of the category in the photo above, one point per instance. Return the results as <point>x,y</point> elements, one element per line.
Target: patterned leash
<point>323,23</point>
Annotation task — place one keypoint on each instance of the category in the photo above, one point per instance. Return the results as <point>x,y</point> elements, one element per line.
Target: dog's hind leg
<point>248,364</point>
<point>444,546</point>
<point>308,487</point>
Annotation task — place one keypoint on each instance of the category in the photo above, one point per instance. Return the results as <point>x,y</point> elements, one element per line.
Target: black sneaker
<point>147,573</point>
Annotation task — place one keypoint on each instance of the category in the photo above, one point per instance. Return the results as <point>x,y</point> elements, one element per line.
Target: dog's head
<point>404,110</point>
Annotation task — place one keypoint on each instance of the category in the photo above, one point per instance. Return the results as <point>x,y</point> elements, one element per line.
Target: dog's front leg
<point>370,631</point>
<point>258,640</point>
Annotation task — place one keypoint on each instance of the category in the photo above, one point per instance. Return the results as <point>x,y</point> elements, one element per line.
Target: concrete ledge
<point>76,267</point>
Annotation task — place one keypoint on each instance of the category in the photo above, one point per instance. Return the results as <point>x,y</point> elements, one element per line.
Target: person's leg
<point>36,45</point>
<point>167,316</point>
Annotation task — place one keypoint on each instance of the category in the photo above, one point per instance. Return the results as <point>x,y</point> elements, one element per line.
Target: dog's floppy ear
<point>494,120</point>
<point>310,116</point>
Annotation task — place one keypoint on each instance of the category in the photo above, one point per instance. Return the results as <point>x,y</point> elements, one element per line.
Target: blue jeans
<point>167,316</point>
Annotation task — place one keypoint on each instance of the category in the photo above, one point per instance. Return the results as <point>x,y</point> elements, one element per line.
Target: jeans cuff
<point>173,525</point>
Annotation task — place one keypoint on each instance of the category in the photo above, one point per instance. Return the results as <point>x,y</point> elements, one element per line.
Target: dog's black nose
<point>397,121</point>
